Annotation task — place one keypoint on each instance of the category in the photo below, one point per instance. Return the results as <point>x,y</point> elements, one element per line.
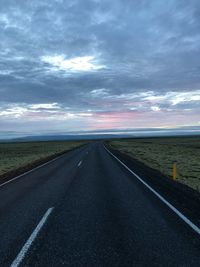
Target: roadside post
<point>174,170</point>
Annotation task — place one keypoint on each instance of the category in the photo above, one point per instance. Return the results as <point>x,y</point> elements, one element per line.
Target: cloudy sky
<point>96,64</point>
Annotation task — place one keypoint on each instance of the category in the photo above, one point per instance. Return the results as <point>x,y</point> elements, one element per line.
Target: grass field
<point>18,155</point>
<point>160,153</point>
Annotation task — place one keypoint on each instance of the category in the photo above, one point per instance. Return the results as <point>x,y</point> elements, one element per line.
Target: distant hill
<point>67,137</point>
<point>109,134</point>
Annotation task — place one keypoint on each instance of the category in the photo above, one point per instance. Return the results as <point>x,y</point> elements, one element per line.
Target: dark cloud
<point>122,51</point>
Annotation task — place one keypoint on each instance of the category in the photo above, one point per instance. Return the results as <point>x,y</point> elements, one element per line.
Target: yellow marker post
<point>174,171</point>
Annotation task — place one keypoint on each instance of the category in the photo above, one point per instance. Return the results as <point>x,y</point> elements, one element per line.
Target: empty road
<point>86,209</point>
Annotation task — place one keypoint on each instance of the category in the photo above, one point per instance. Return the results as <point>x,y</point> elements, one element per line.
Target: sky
<point>87,65</point>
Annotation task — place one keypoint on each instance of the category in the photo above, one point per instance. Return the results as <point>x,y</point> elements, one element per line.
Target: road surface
<point>86,209</point>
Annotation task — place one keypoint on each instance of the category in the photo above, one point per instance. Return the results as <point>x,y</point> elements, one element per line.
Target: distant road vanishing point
<point>86,209</point>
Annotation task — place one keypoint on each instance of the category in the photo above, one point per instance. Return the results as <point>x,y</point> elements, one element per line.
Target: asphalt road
<point>86,209</point>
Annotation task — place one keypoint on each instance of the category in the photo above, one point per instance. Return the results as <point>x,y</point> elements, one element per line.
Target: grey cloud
<point>144,45</point>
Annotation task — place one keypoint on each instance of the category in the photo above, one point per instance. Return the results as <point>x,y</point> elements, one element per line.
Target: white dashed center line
<point>80,163</point>
<point>32,237</point>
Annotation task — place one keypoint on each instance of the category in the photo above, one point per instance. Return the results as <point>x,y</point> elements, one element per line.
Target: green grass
<point>160,153</point>
<point>17,155</point>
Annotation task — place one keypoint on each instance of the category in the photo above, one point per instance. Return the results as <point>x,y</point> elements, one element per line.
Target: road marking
<point>29,242</point>
<point>38,167</point>
<point>79,164</point>
<point>183,217</point>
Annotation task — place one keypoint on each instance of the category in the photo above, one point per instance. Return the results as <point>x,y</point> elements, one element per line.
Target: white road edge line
<point>38,167</point>
<point>79,164</point>
<point>29,242</point>
<point>183,217</point>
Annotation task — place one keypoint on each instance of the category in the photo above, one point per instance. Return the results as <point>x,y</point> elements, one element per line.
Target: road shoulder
<point>181,196</point>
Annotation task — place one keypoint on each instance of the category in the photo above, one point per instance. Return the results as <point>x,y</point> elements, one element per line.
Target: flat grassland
<point>18,155</point>
<point>160,153</point>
